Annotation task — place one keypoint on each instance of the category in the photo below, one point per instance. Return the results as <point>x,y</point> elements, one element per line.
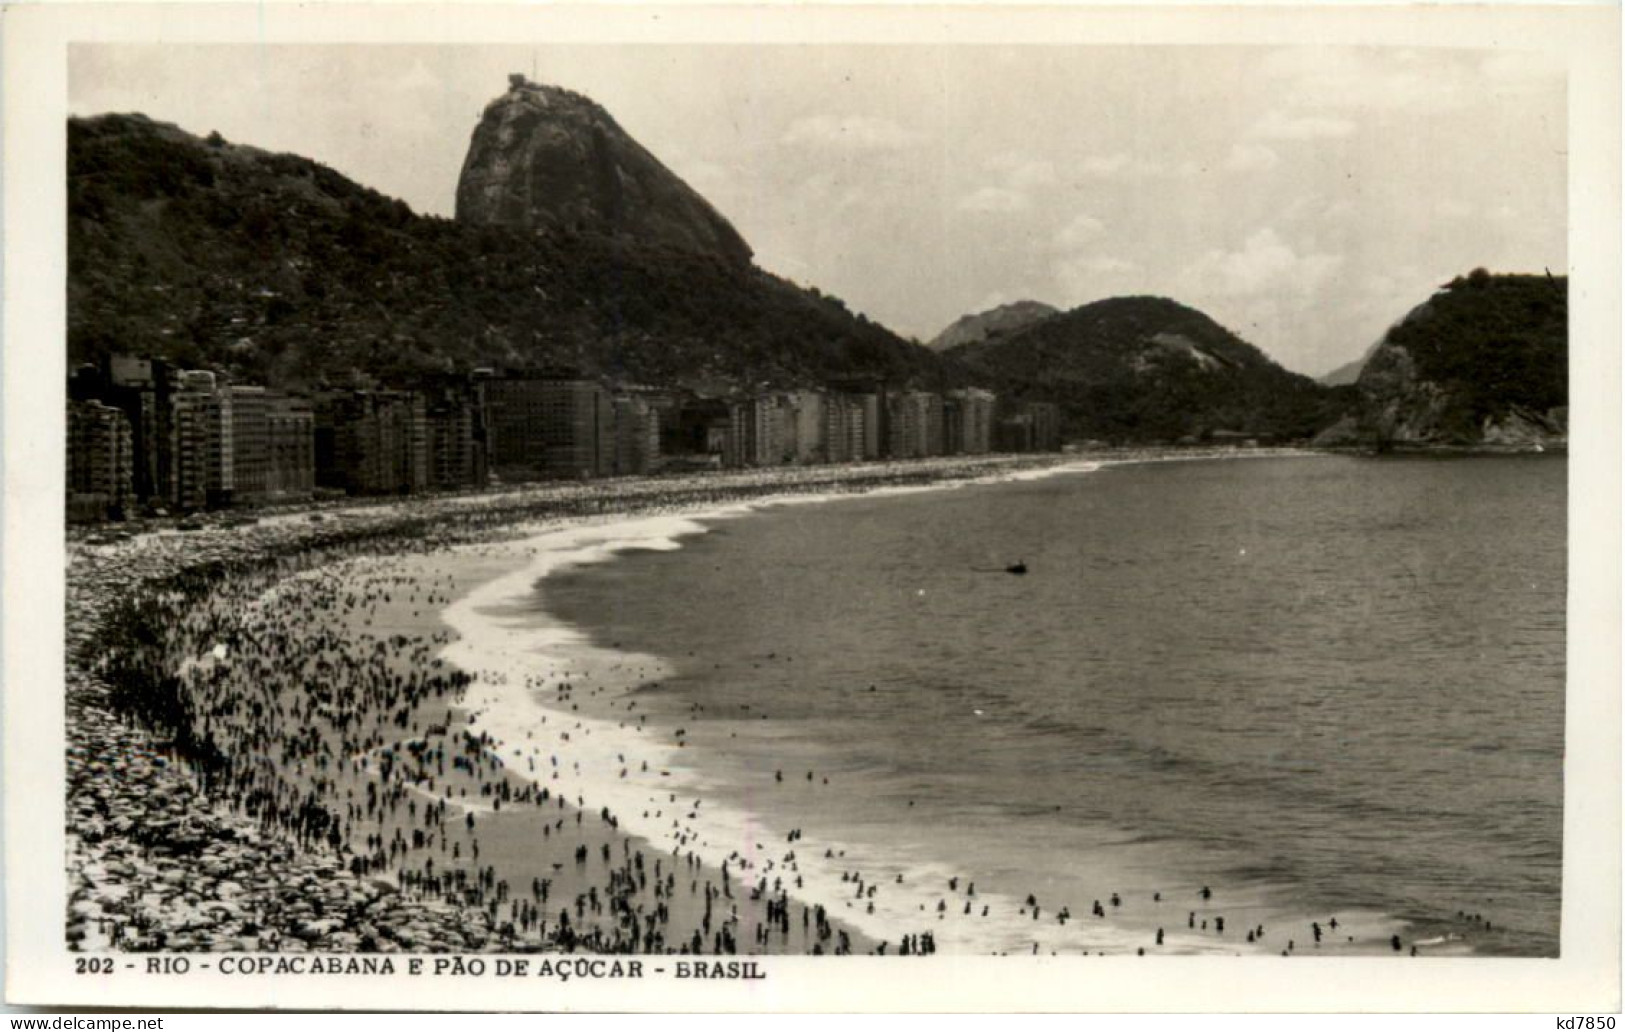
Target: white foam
<point>1045,472</point>
<point>519,655</point>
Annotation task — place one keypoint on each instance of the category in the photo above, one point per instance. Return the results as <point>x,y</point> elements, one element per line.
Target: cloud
<point>1080,270</point>
<point>1129,167</point>
<point>1084,276</point>
<point>1510,73</point>
<point>994,199</point>
<point>1251,157</point>
<point>1110,166</point>
<point>1107,265</point>
<point>1317,212</point>
<point>707,177</point>
<point>1264,264</point>
<point>1404,79</point>
<point>1280,126</point>
<point>416,79</point>
<point>851,132</point>
<point>1075,234</point>
<point>1021,172</point>
<point>1341,208</point>
<point>995,298</point>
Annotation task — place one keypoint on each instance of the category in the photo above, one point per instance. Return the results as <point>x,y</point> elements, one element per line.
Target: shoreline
<point>504,640</point>
<point>517,638</point>
<point>139,810</point>
<point>525,494</point>
<point>370,905</point>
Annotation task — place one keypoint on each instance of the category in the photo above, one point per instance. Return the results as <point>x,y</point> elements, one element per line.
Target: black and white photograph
<point>677,512</point>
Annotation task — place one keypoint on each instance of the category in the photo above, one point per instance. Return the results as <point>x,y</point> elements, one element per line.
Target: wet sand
<point>564,854</point>
<point>258,776</point>
<point>272,707</point>
<point>579,714</point>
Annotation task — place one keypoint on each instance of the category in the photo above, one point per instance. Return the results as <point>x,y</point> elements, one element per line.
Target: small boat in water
<point>1018,567</point>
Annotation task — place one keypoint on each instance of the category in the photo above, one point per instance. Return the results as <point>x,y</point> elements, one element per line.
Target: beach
<point>598,716</point>
<point>362,729</point>
<point>268,750</point>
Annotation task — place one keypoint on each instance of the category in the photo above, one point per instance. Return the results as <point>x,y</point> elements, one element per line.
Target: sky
<point>1304,197</point>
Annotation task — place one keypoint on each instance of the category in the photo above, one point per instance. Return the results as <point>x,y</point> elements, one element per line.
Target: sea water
<point>1316,687</point>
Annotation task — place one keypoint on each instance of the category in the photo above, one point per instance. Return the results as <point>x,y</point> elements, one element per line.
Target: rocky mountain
<point>1484,361</point>
<point>1150,369</point>
<point>544,158</point>
<point>1348,373</point>
<point>280,270</point>
<point>968,329</point>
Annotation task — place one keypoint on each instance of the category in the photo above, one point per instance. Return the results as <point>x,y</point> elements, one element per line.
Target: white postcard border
<point>39,969</point>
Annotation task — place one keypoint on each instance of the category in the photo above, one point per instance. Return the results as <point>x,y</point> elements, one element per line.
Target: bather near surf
<point>741,721</point>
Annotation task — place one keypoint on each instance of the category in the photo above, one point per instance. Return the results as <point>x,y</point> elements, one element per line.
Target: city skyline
<point>1303,197</point>
<point>146,436</point>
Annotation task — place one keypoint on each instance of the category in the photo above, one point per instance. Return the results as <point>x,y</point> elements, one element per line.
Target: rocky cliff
<point>1483,362</point>
<point>968,329</point>
<point>544,158</point>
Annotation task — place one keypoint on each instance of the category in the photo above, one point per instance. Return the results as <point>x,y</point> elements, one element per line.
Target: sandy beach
<point>267,749</point>
<point>355,730</point>
<point>564,711</point>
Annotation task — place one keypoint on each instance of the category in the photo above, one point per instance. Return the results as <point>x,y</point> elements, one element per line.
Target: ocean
<point>1230,703</point>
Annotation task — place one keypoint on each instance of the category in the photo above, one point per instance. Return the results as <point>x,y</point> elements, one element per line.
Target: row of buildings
<point>146,435</point>
<point>852,425</point>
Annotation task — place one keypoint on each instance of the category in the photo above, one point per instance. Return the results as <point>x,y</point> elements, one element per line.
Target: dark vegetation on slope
<point>281,271</point>
<point>1488,344</point>
<point>1150,369</point>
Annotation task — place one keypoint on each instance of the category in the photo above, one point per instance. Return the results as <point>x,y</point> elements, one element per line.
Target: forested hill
<point>1485,360</point>
<point>282,271</point>
<point>1151,369</point>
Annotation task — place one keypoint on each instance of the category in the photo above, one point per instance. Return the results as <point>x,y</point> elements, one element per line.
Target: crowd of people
<point>235,666</point>
<point>276,710</point>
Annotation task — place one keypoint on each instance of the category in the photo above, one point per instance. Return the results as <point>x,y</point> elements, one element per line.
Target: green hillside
<point>1483,349</point>
<point>1150,369</point>
<point>280,270</point>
